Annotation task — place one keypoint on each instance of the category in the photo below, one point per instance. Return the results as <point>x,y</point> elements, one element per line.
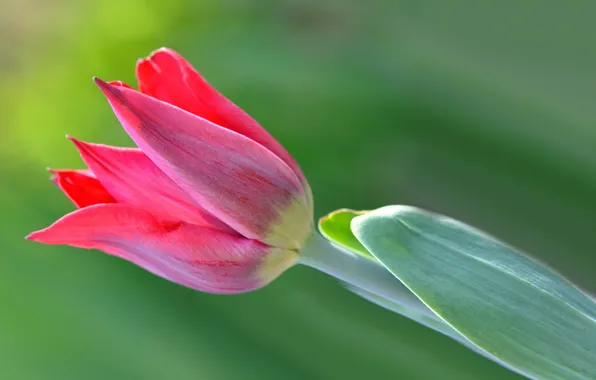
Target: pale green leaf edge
<point>335,227</point>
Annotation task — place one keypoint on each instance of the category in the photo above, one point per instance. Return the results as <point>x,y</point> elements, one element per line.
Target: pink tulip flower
<point>209,199</point>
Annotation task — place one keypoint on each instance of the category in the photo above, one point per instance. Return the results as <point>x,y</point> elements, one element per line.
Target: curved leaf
<point>511,306</point>
<point>335,227</point>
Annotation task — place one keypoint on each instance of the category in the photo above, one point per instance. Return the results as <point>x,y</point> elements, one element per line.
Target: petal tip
<point>160,50</point>
<point>107,88</point>
<point>79,145</point>
<point>98,81</point>
<point>33,236</point>
<point>74,140</point>
<point>103,85</point>
<point>54,173</point>
<point>39,236</point>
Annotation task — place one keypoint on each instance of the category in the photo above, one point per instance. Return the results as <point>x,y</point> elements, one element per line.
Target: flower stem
<point>359,272</point>
<point>369,279</point>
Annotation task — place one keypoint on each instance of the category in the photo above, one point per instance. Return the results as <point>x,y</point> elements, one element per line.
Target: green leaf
<point>511,306</point>
<point>335,227</point>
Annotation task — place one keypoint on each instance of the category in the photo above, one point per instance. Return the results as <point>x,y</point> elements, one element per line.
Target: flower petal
<point>119,83</point>
<point>81,187</point>
<point>193,256</point>
<point>167,76</point>
<point>236,179</point>
<point>132,178</point>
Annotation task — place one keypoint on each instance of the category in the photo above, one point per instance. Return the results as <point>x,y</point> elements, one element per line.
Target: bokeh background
<point>484,111</point>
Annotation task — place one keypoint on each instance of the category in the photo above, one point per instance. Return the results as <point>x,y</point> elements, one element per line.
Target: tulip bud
<point>209,199</point>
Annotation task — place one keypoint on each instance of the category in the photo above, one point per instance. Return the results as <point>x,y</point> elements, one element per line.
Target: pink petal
<point>119,83</point>
<point>167,76</point>
<point>81,187</point>
<point>237,180</point>
<point>132,178</point>
<point>196,257</point>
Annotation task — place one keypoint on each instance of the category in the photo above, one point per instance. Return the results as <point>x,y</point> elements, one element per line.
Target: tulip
<point>208,200</point>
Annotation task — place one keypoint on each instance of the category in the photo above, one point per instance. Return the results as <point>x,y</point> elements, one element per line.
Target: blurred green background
<point>484,111</point>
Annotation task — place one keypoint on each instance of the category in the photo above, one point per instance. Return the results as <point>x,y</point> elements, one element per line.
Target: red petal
<point>167,76</point>
<point>196,257</point>
<point>81,187</point>
<point>237,180</point>
<point>132,178</point>
<point>119,83</point>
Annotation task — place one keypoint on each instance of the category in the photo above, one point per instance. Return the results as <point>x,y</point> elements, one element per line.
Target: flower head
<point>209,199</point>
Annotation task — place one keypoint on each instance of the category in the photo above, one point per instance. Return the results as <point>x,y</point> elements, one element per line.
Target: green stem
<point>370,280</point>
